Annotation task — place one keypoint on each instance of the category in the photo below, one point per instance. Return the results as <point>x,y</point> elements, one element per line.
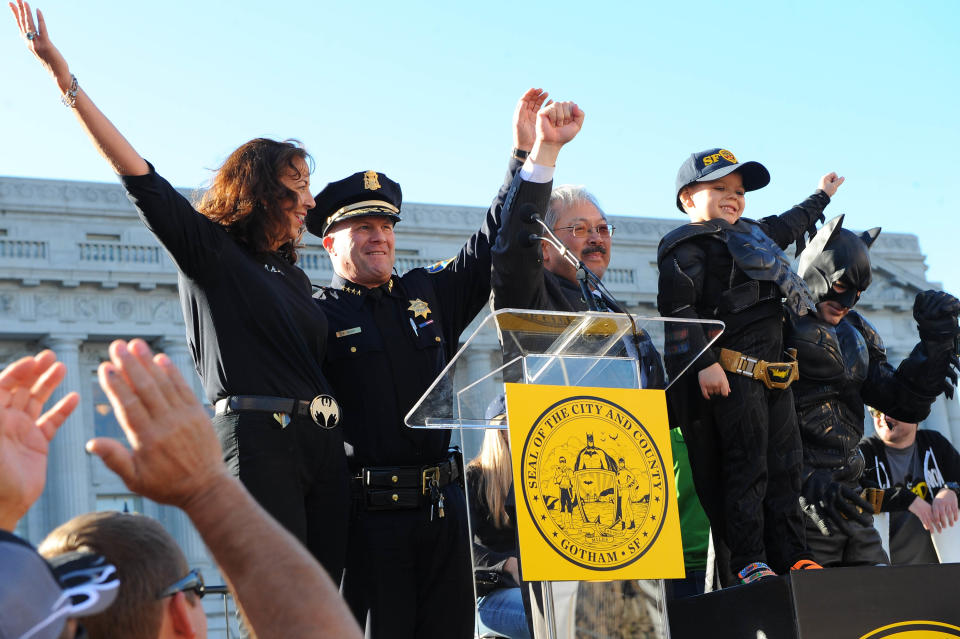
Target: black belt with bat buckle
<point>322,409</point>
<point>773,375</point>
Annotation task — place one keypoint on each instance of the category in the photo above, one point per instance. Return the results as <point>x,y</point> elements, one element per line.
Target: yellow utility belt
<point>776,375</point>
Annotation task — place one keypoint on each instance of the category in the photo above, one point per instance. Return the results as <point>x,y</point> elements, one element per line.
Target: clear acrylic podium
<point>595,349</point>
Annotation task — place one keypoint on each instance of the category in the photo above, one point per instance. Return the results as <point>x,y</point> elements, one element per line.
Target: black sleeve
<point>463,284</point>
<point>788,227</point>
<point>517,276</point>
<point>679,288</point>
<point>191,239</point>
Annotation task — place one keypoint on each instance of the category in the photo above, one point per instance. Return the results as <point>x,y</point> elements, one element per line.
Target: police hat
<point>713,164</point>
<point>361,194</point>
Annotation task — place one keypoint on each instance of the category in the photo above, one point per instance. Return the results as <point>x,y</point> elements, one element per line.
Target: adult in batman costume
<point>843,365</point>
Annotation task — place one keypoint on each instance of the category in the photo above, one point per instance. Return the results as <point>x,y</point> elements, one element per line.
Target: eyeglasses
<point>582,230</point>
<point>192,582</point>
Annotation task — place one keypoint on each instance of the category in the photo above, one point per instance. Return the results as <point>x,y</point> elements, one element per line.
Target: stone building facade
<point>78,269</point>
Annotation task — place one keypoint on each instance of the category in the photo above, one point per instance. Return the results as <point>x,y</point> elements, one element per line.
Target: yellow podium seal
<point>594,482</point>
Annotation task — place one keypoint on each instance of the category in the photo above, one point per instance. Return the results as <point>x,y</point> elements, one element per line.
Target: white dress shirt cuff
<point>536,173</point>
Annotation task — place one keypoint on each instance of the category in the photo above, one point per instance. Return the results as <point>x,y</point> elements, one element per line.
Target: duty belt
<point>406,487</point>
<point>774,375</point>
<point>322,409</point>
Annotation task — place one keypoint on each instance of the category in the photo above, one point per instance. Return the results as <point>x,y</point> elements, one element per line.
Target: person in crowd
<point>843,364</point>
<point>389,336</point>
<point>38,599</point>
<point>159,597</point>
<point>739,425</point>
<point>172,456</point>
<point>47,599</point>
<point>493,516</point>
<point>919,471</point>
<point>256,336</point>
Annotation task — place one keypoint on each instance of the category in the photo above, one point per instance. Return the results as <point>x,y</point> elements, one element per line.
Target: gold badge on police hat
<point>419,308</point>
<point>371,181</point>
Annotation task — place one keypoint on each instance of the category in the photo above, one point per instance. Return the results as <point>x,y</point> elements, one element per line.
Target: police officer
<point>408,564</point>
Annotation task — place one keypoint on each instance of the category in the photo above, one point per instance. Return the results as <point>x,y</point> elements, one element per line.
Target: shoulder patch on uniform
<point>438,266</point>
<point>324,292</point>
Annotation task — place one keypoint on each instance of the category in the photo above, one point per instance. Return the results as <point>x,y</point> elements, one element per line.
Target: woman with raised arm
<point>256,335</point>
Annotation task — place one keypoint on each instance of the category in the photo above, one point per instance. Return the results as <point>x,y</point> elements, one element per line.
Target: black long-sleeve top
<point>252,326</point>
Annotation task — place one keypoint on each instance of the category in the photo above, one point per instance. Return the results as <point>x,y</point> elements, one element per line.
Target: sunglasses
<point>192,582</point>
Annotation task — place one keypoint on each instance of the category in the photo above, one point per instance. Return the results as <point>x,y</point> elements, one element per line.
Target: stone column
<point>179,353</point>
<point>175,519</point>
<point>69,478</point>
<point>953,421</point>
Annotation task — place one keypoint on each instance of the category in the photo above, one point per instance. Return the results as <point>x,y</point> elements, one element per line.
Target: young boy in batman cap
<point>843,365</point>
<point>734,406</point>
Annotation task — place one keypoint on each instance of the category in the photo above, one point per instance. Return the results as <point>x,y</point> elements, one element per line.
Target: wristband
<point>520,155</point>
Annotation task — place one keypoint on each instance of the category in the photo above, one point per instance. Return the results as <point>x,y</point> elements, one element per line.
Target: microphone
<point>528,240</point>
<point>528,214</point>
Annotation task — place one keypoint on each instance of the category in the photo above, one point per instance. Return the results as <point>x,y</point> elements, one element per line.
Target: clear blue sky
<point>425,91</point>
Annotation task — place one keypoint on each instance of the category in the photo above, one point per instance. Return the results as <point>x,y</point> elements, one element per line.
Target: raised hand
<point>38,41</point>
<point>557,124</point>
<point>525,118</point>
<point>25,434</point>
<point>174,455</point>
<point>829,183</point>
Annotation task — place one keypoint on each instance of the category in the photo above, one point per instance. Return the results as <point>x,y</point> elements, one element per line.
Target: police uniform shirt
<point>252,326</point>
<point>387,345</point>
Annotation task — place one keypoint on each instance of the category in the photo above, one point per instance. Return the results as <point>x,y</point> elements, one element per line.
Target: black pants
<point>409,577</point>
<point>298,474</point>
<point>745,456</point>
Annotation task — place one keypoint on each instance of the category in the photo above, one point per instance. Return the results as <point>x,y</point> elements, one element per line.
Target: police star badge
<point>419,308</point>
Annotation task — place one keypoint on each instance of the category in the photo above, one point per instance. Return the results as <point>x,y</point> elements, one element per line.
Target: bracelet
<point>520,155</point>
<point>69,99</point>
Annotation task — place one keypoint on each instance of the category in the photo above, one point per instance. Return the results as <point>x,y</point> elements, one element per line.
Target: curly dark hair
<point>247,197</point>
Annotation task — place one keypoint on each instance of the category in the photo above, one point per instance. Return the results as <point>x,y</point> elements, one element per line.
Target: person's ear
<point>328,243</point>
<point>181,615</point>
<point>685,198</point>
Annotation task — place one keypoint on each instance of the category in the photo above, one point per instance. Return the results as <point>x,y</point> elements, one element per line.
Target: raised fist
<point>936,315</point>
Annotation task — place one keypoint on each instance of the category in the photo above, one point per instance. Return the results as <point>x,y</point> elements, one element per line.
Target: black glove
<point>936,314</point>
<point>830,504</point>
